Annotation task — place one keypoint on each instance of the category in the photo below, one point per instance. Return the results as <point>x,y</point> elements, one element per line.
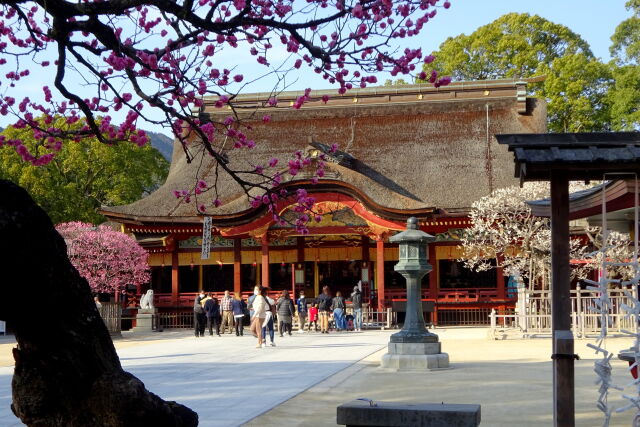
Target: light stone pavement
<point>226,380</point>
<point>302,380</point>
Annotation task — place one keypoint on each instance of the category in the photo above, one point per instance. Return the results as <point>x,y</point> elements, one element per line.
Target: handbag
<point>266,319</point>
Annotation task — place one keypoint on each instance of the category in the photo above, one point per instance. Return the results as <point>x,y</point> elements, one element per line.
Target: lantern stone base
<point>414,356</point>
<point>144,320</point>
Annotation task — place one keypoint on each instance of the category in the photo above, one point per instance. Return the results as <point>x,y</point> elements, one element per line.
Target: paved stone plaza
<point>302,380</point>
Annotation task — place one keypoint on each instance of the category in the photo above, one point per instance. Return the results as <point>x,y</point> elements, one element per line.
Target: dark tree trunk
<point>67,372</point>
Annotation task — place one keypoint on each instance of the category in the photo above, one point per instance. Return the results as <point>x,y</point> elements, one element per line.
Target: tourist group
<point>265,313</point>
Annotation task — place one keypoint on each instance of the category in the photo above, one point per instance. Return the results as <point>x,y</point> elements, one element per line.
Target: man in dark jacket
<point>212,311</point>
<point>199,318</point>
<point>356,303</point>
<point>302,311</point>
<point>285,309</point>
<point>324,308</point>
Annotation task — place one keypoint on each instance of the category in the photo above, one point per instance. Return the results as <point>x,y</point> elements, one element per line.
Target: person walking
<point>227,312</point>
<point>267,325</point>
<point>324,309</point>
<point>338,306</point>
<point>256,292</point>
<point>238,306</point>
<point>301,304</point>
<point>313,316</point>
<point>212,312</point>
<point>260,309</point>
<point>285,309</point>
<point>356,303</point>
<point>199,317</point>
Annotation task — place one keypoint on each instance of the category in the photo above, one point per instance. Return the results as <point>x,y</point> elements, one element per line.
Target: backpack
<point>325,303</point>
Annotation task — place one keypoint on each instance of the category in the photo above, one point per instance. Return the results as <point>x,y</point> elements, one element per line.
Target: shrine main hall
<point>403,151</point>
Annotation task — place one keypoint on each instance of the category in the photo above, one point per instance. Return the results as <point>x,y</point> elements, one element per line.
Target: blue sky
<point>594,20</point>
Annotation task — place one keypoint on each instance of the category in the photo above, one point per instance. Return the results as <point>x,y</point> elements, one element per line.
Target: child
<point>349,319</point>
<point>313,316</point>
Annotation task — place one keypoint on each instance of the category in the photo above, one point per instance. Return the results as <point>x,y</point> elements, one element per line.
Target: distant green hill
<point>162,143</point>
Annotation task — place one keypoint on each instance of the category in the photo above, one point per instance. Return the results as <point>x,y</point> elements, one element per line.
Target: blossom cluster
<point>109,260</point>
<point>152,59</point>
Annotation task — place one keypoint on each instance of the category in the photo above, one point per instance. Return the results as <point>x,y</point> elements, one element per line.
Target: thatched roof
<point>404,149</point>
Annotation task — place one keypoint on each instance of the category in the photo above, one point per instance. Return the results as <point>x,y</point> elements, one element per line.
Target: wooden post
<point>316,279</point>
<point>300,249</point>
<point>502,294</point>
<point>380,272</point>
<point>175,288</point>
<point>365,248</point>
<point>237,265</point>
<point>579,326</point>
<point>200,278</point>
<point>433,282</point>
<point>300,262</point>
<point>293,281</point>
<point>265,260</point>
<point>563,346</point>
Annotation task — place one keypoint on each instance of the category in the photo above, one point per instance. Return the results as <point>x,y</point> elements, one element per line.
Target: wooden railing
<point>186,299</point>
<point>111,313</point>
<point>533,313</point>
<point>453,295</point>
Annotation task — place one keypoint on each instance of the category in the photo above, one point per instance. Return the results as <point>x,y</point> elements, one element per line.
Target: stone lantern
<point>414,347</point>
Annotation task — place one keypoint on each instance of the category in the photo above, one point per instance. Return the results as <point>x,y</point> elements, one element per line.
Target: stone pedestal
<point>415,356</point>
<point>370,413</point>
<point>144,320</point>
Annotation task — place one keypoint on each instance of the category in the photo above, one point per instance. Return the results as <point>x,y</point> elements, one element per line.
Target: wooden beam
<point>563,346</point>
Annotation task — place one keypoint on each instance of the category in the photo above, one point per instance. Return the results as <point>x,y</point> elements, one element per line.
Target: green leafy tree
<point>83,175</point>
<point>398,82</point>
<point>576,89</point>
<point>519,45</point>
<point>625,50</point>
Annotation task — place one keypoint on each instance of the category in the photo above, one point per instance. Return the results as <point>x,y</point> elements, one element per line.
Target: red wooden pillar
<point>433,282</point>
<point>265,260</point>
<point>237,264</point>
<point>175,288</point>
<point>380,271</point>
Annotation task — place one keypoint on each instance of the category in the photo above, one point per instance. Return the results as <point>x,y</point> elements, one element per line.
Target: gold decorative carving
<point>260,232</point>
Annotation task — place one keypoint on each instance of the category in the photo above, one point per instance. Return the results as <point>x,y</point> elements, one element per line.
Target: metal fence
<point>532,315</point>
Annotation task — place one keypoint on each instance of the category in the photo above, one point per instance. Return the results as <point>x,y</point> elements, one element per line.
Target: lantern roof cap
<point>412,234</point>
